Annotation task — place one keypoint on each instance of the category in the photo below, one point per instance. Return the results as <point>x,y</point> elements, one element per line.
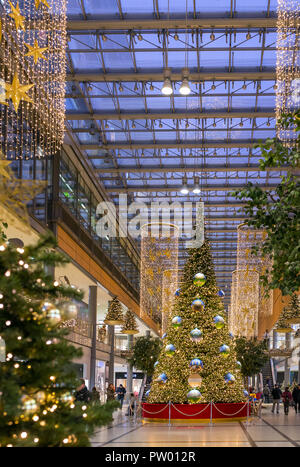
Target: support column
<point>274,339</point>
<point>286,362</point>
<point>129,368</point>
<point>111,340</point>
<point>93,318</point>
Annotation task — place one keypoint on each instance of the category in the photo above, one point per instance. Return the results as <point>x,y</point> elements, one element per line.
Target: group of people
<point>287,397</point>
<point>120,392</point>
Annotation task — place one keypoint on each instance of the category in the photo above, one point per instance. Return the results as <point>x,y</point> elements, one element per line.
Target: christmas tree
<point>198,361</point>
<point>293,310</point>
<point>130,324</point>
<point>37,380</point>
<point>114,314</point>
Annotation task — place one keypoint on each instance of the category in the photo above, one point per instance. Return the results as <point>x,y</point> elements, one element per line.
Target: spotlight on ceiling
<point>185,86</point>
<point>184,189</point>
<point>167,89</point>
<point>196,189</point>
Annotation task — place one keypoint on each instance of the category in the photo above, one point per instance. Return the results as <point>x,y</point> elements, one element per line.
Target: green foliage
<point>145,353</point>
<point>278,213</point>
<point>215,364</point>
<point>38,364</point>
<point>252,354</point>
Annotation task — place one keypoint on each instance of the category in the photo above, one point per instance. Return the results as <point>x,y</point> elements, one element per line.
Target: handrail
<point>272,371</point>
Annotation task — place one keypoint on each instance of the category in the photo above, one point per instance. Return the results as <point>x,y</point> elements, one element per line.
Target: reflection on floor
<point>272,430</point>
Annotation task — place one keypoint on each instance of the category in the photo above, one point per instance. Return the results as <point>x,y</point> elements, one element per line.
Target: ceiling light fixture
<point>167,89</point>
<point>212,36</point>
<point>185,87</point>
<point>184,189</point>
<point>196,189</point>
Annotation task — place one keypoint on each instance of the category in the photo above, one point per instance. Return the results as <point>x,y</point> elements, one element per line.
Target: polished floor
<point>271,430</point>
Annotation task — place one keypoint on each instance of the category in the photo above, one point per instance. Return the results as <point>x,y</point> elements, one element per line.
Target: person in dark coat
<point>82,393</point>
<point>121,391</point>
<point>110,392</point>
<point>276,394</point>
<point>296,398</point>
<point>286,398</point>
<point>95,395</point>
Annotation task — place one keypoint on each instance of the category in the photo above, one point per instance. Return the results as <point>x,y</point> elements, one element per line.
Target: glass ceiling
<point>139,141</point>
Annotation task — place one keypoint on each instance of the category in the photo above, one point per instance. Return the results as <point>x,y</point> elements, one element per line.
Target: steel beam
<point>154,188</point>
<point>189,168</point>
<point>242,113</point>
<point>105,25</point>
<point>158,76</point>
<point>171,145</point>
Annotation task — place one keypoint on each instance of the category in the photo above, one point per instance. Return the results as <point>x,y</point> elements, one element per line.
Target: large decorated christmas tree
<point>198,361</point>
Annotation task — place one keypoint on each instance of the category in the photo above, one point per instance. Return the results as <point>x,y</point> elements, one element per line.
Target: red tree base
<point>189,413</point>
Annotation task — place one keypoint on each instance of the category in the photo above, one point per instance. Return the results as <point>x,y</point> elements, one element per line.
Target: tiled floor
<point>272,430</point>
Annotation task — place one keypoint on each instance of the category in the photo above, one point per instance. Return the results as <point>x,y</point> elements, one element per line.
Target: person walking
<point>131,405</point>
<point>276,394</point>
<point>266,393</point>
<point>82,393</point>
<point>296,398</point>
<point>110,393</point>
<point>95,395</point>
<point>286,398</point>
<point>121,391</point>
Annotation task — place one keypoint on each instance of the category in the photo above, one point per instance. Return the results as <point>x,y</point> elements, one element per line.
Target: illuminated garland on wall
<point>287,63</point>
<point>32,77</point>
<point>170,285</point>
<point>159,253</point>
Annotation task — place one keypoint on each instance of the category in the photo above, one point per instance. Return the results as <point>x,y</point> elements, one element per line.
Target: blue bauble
<point>246,393</point>
<point>197,305</point>
<point>177,292</point>
<point>199,279</point>
<point>221,293</point>
<point>164,335</point>
<point>156,363</point>
<point>224,350</point>
<point>170,349</point>
<point>194,396</point>
<point>229,378</point>
<point>176,321</point>
<point>162,378</point>
<point>196,364</point>
<point>238,364</point>
<point>147,393</point>
<point>231,335</point>
<point>196,335</point>
<point>219,322</point>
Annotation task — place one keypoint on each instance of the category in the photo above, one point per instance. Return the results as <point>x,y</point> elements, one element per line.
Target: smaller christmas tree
<point>130,324</point>
<point>282,324</point>
<point>114,314</point>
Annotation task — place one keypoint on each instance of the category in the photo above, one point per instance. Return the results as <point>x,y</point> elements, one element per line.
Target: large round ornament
<point>229,378</point>
<point>69,310</point>
<point>194,396</point>
<point>199,279</point>
<point>164,335</point>
<point>29,405</point>
<point>197,305</point>
<point>196,364</point>
<point>177,292</point>
<point>231,335</point>
<point>221,293</point>
<point>238,364</point>
<point>196,335</point>
<point>219,322</point>
<point>156,363</point>
<point>54,315</point>
<point>170,349</point>
<point>47,306</point>
<point>195,380</point>
<point>224,350</point>
<point>246,393</point>
<point>162,378</point>
<point>147,393</point>
<point>176,322</point>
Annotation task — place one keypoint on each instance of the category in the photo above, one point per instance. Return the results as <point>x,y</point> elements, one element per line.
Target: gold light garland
<point>159,253</point>
<point>32,77</point>
<point>287,64</point>
<point>170,285</point>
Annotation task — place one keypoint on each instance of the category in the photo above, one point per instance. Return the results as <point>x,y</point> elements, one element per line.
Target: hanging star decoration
<point>16,193</point>
<point>17,17</point>
<point>17,92</point>
<point>43,2</point>
<point>36,52</point>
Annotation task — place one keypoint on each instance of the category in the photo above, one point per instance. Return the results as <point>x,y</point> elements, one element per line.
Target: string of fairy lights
<point>287,64</point>
<point>32,77</point>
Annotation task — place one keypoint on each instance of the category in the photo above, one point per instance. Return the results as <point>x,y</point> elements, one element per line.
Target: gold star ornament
<point>3,168</point>
<point>35,51</point>
<point>17,92</point>
<point>17,17</point>
<point>39,2</point>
